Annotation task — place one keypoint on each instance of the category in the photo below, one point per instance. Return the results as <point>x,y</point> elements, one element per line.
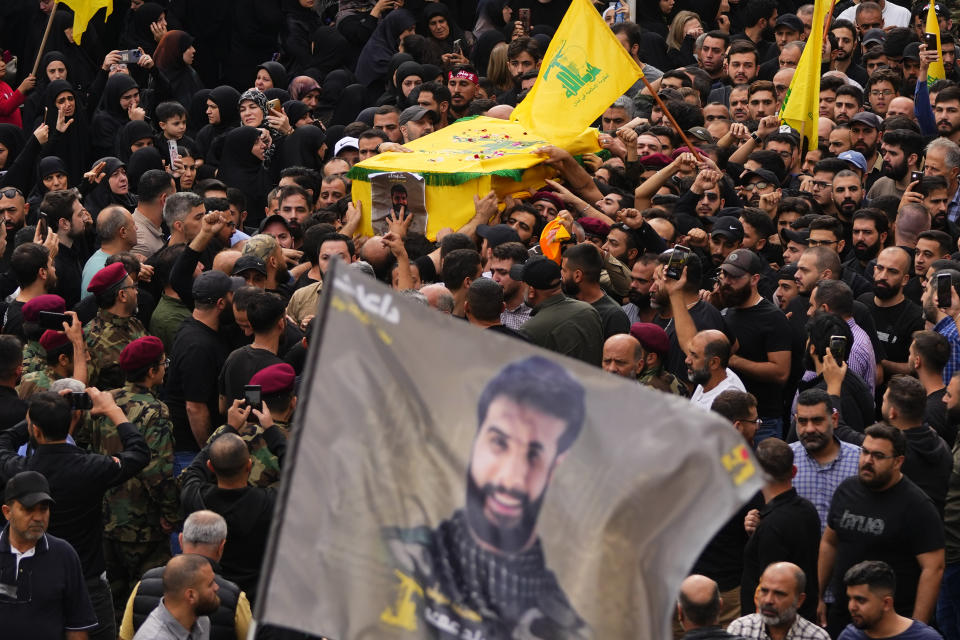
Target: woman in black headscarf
<point>82,68</point>
<point>141,161</point>
<point>114,112</point>
<point>176,79</point>
<point>441,30</point>
<point>299,22</point>
<point>333,87</point>
<point>221,115</point>
<point>241,167</point>
<point>197,113</point>
<point>253,113</point>
<point>270,75</point>
<point>407,76</point>
<point>113,189</point>
<point>382,45</point>
<point>53,66</point>
<point>72,144</point>
<point>351,102</point>
<point>656,15</point>
<point>297,113</point>
<point>328,52</point>
<point>11,144</point>
<point>51,176</point>
<point>304,148</point>
<point>137,32</point>
<point>133,136</point>
<point>494,15</point>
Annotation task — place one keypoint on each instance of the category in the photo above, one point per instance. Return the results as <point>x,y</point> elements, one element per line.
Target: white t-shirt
<point>893,15</point>
<point>705,400</point>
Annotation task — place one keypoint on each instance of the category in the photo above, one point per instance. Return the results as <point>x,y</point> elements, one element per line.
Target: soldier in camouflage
<point>655,346</point>
<point>66,356</point>
<point>142,512</point>
<point>34,355</point>
<point>115,325</point>
<point>276,384</point>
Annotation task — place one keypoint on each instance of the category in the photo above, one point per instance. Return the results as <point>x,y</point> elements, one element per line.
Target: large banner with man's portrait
<point>448,482</point>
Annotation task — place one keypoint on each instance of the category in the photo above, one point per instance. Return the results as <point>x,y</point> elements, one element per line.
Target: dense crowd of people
<point>174,187</point>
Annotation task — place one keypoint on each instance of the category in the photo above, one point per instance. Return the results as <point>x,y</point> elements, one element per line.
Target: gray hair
<point>71,384</point>
<point>178,206</point>
<point>625,103</point>
<point>796,44</point>
<point>413,294</point>
<point>205,527</point>
<point>110,221</point>
<point>951,156</point>
<point>363,267</point>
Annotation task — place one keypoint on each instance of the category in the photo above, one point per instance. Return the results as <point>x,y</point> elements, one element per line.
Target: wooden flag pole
<point>666,112</point>
<point>46,33</point>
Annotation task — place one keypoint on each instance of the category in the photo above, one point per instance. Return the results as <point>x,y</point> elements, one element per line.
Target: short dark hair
<point>338,237</point>
<point>169,109</point>
<point>831,83</point>
<point>742,46</point>
<point>908,141</point>
<point>58,205</point>
<point>511,251</point>
<point>458,265</point>
<point>294,190</point>
<point>929,184</point>
<point>485,298</point>
<point>877,575</point>
<point>716,34</point>
<point>837,295</point>
<point>586,258</point>
<point>823,325</point>
<point>524,44</point>
<point>759,220</point>
<point>933,348</point>
<point>940,237</point>
<point>371,133</point>
<point>49,412</point>
<point>236,198</point>
<point>947,95</point>
<point>907,394</point>
<point>733,404</point>
<point>264,310</point>
<point>828,223</point>
<point>26,262</point>
<point>153,184</point>
<point>849,89</point>
<point>440,92</point>
<point>454,241</point>
<point>757,10</point>
<point>884,431</point>
<point>11,356</point>
<point>879,218</point>
<point>541,384</point>
<point>813,397</point>
<point>694,268</point>
<point>776,459</point>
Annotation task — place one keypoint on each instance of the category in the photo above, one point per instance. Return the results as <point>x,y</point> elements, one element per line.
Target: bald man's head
<point>229,456</point>
<point>622,355</point>
<point>699,602</point>
<point>912,220</point>
<point>181,573</point>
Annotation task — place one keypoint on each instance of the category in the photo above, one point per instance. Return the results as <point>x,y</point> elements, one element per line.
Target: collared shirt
<point>861,359</point>
<point>753,627</point>
<point>161,625</point>
<point>517,317</point>
<point>948,329</point>
<point>817,482</point>
<point>149,235</point>
<point>953,208</point>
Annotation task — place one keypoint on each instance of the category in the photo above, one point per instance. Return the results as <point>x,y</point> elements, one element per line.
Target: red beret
<point>651,337</point>
<point>140,353</point>
<point>47,302</point>
<point>275,379</point>
<point>107,277</point>
<point>51,340</point>
<point>550,197</point>
<point>594,226</point>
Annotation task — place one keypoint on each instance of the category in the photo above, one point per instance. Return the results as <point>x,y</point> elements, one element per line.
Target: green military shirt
<point>660,378</point>
<point>166,320</point>
<point>567,326</point>
<point>36,382</point>
<point>264,467</point>
<point>34,357</point>
<point>106,336</point>
<point>132,510</point>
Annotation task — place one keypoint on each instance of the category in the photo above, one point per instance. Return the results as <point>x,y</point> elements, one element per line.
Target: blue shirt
<point>916,631</point>
<point>948,329</point>
<point>817,483</point>
<point>96,262</point>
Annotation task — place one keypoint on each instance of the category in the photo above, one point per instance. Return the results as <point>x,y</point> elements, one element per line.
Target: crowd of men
<point>174,188</point>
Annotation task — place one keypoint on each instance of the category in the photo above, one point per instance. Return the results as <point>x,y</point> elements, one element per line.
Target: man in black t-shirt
<point>882,515</point>
<point>266,314</point>
<point>199,351</point>
<point>896,318</point>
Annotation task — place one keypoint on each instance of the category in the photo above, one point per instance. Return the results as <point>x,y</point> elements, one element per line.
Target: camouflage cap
<point>261,245</point>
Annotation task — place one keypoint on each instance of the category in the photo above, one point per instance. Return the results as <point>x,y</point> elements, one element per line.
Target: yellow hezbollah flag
<point>83,12</point>
<point>935,71</point>
<point>465,159</point>
<point>801,105</point>
<point>584,71</point>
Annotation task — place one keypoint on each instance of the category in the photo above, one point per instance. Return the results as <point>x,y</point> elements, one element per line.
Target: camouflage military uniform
<point>106,336</point>
<point>34,357</point>
<point>264,467</point>
<point>661,379</point>
<point>36,382</point>
<point>133,539</point>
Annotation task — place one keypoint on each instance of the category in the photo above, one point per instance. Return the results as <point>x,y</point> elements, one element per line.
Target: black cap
<point>497,234</point>
<point>741,262</point>
<point>764,174</point>
<point>416,113</point>
<point>28,488</point>
<point>800,236</point>
<point>541,273</point>
<point>787,272</point>
<point>212,285</point>
<point>912,51</point>
<point>790,21</point>
<point>275,217</point>
<point>249,263</point>
<point>727,226</point>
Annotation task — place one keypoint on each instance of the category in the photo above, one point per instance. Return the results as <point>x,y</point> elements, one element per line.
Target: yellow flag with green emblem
<point>801,104</point>
<point>584,70</point>
<point>935,71</point>
<point>83,12</point>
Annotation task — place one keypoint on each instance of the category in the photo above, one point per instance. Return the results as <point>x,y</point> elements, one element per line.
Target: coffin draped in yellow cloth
<point>467,158</point>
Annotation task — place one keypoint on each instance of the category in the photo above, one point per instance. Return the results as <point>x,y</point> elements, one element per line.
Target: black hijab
<point>382,45</point>
<point>394,94</point>
<point>110,116</point>
<point>295,111</point>
<point>432,10</point>
<point>227,100</point>
<point>277,73</point>
<point>137,32</point>
<point>142,161</point>
<point>13,138</point>
<point>240,169</point>
<point>181,79</point>
<point>47,166</point>
<point>329,52</point>
<point>484,47</point>
<point>301,147</point>
<point>197,113</point>
<point>73,145</point>
<point>81,68</point>
<point>102,196</point>
<point>128,134</point>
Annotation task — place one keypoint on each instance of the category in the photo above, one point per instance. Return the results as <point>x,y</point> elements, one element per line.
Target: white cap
<point>346,143</point>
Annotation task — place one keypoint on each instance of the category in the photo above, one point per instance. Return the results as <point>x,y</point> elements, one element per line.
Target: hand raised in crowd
<point>739,131</point>
<point>565,194</point>
<point>806,184</point>
<point>706,179</point>
<point>263,415</point>
<point>62,123</point>
<point>723,23</point>
<point>95,175</point>
<point>42,134</point>
<point>518,30</point>
<point>453,59</point>
<point>73,329</point>
<point>279,121</point>
<point>486,207</point>
<point>292,256</point>
<point>592,161</point>
<point>697,238</point>
<point>628,137</point>
<point>833,373</point>
<point>686,163</point>
<point>382,6</point>
<point>103,402</point>
<point>399,223</point>
<point>927,57</point>
<point>238,413</point>
<point>769,201</point>
<point>555,155</point>
<point>631,217</point>
<point>145,60</point>
<point>353,213</point>
<point>911,195</point>
<point>28,84</point>
<point>613,145</point>
<point>110,59</point>
<point>136,112</point>
<point>146,273</point>
<point>395,243</point>
<point>158,29</point>
<point>212,223</point>
<point>768,124</point>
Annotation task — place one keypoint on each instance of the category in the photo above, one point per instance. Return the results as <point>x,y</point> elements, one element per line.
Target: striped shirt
<point>752,627</point>
<point>817,482</point>
<point>861,359</point>
<point>948,329</point>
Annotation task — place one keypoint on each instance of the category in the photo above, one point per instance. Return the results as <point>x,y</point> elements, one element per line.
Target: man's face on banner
<point>511,464</point>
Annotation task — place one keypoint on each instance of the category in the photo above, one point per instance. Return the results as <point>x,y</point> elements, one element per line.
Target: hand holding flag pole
<point>666,112</point>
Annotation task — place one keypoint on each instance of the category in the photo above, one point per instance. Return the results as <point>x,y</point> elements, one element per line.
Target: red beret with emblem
<point>140,353</point>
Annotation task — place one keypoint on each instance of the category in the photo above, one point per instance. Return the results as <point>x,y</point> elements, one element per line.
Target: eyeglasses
<point>758,186</point>
<point>876,455</point>
<point>821,243</point>
<point>881,94</point>
<point>820,184</point>
<point>756,421</point>
<point>709,195</point>
<point>11,192</point>
<point>164,363</point>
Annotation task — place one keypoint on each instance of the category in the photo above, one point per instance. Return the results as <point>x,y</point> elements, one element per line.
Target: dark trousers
<point>948,604</point>
<point>102,601</point>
